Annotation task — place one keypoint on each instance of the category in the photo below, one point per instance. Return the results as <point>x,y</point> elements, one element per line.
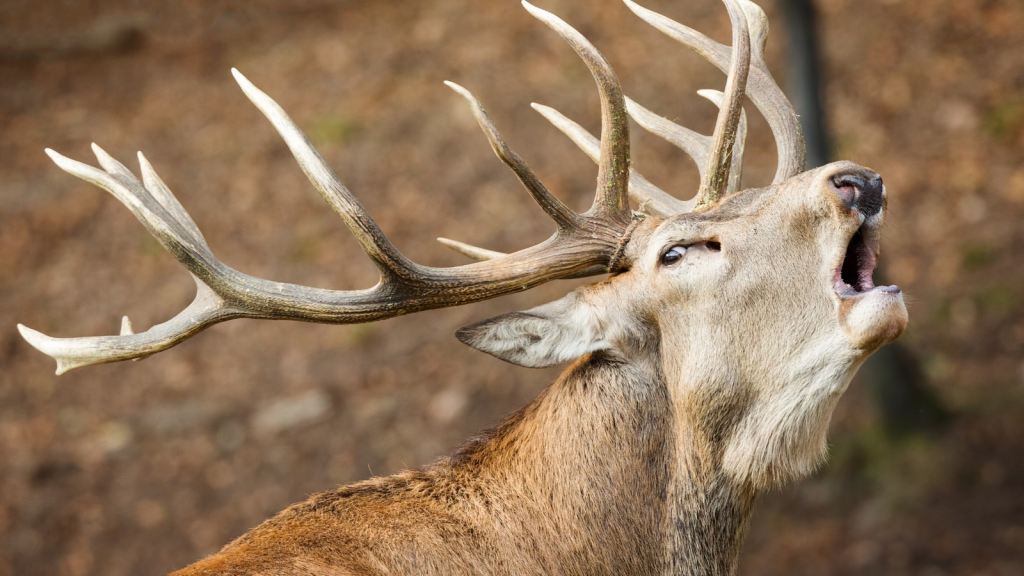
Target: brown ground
<point>140,468</point>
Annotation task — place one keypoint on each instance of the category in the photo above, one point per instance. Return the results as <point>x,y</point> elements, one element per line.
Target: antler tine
<point>559,212</point>
<point>650,199</point>
<point>371,239</point>
<point>612,196</point>
<point>764,92</point>
<point>616,180</point>
<point>155,185</point>
<point>715,181</point>
<point>736,172</point>
<point>474,252</point>
<point>123,185</point>
<point>205,310</point>
<point>178,234</point>
<point>154,195</point>
<point>695,145</point>
<point>483,255</point>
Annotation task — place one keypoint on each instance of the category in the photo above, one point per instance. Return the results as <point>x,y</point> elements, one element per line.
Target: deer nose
<point>862,191</point>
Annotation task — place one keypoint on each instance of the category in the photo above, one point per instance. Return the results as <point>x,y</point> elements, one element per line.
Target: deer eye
<point>673,255</point>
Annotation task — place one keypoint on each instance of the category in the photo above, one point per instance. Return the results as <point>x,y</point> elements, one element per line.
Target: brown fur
<point>489,508</point>
<point>611,499</point>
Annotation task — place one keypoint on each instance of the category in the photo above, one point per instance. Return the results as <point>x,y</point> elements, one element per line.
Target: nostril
<point>861,192</point>
<point>847,186</point>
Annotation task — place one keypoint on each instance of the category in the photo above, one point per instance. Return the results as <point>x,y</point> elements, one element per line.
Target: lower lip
<point>883,290</point>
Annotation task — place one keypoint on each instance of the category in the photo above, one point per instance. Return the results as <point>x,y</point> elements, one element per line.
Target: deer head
<point>753,307</point>
<point>756,313</point>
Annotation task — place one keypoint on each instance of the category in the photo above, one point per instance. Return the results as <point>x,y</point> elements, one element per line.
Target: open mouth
<point>854,275</point>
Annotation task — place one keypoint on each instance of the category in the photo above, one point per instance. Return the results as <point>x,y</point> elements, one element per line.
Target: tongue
<point>866,266</point>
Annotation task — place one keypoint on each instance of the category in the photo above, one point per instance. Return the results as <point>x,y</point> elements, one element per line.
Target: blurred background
<point>140,468</point>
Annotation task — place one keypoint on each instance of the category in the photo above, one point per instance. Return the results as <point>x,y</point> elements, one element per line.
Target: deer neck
<point>708,508</point>
<point>607,451</point>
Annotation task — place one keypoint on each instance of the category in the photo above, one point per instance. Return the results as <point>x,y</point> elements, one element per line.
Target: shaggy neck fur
<point>614,477</point>
<point>601,474</point>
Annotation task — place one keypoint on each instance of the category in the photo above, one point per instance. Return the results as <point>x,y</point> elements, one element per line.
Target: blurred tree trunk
<point>905,403</point>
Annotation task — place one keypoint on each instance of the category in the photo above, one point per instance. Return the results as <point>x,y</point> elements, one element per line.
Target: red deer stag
<point>705,368</point>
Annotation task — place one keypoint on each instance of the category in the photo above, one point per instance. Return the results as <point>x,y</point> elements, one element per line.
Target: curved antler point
<point>462,91</point>
<point>248,87</point>
<point>540,13</point>
<point>65,163</point>
<point>635,8</point>
<point>44,344</point>
<point>100,153</point>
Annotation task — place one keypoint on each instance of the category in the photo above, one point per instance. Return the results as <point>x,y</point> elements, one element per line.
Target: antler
<point>697,146</point>
<point>584,244</point>
<point>764,92</point>
<point>750,33</point>
<point>719,157</point>
<point>649,197</point>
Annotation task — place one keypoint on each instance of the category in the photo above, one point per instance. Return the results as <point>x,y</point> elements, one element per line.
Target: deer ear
<point>551,334</point>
